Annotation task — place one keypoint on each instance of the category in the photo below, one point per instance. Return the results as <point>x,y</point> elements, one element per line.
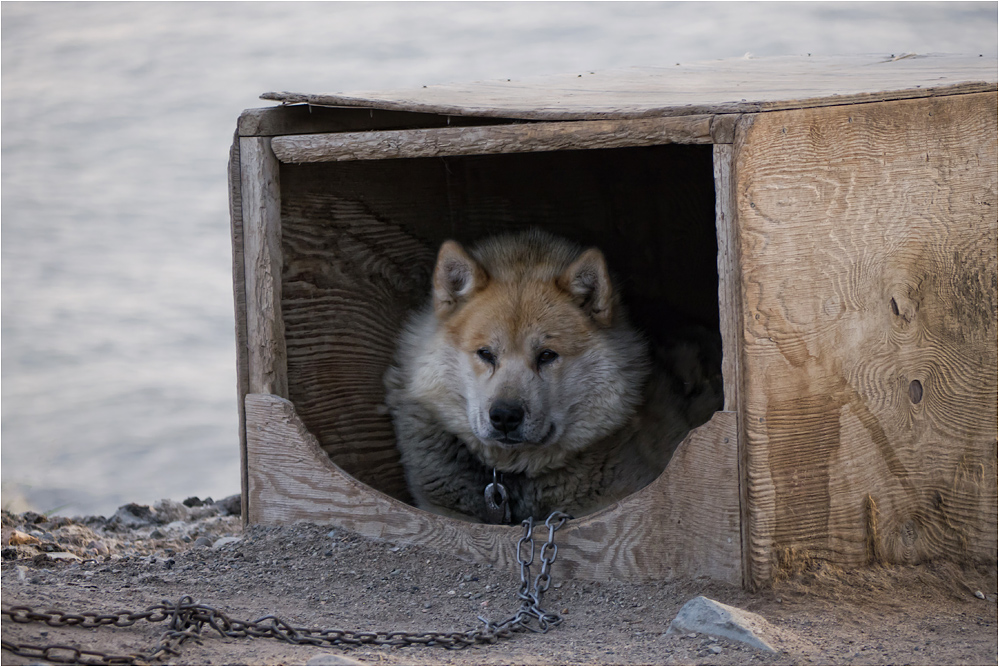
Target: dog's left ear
<point>588,281</point>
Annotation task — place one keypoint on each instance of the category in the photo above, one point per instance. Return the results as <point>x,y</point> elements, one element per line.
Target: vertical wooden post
<point>730,320</point>
<point>262,265</point>
<point>239,301</point>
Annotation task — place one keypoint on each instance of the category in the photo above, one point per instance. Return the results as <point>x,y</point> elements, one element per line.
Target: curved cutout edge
<point>683,525</point>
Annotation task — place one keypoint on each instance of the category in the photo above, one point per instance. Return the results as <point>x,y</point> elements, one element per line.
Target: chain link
<point>188,618</point>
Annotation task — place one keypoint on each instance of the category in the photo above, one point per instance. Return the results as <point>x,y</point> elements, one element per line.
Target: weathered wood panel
<point>494,139</point>
<point>239,302</point>
<point>731,318</point>
<point>260,195</point>
<point>352,274</point>
<point>736,85</point>
<point>305,119</point>
<point>685,524</point>
<point>867,242</point>
<point>729,303</point>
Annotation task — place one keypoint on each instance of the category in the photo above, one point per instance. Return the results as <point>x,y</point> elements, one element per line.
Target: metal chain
<point>187,618</point>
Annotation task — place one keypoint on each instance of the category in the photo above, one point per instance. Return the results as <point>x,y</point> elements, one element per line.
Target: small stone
<point>715,648</point>
<point>193,501</point>
<point>63,556</point>
<point>133,516</point>
<point>17,537</point>
<point>157,534</point>
<point>708,616</point>
<point>230,505</point>
<point>203,542</point>
<point>427,605</point>
<point>980,595</point>
<point>331,659</point>
<point>224,541</point>
<point>168,511</point>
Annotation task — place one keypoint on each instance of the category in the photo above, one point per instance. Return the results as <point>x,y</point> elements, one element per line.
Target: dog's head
<point>544,363</point>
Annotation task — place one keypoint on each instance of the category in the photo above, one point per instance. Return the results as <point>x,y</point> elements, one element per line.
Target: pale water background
<point>118,361</point>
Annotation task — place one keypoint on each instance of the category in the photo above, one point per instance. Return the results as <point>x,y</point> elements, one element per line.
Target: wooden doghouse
<point>833,218</point>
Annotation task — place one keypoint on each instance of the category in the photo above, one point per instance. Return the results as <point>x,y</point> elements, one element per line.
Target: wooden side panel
<point>262,263</point>
<point>685,524</point>
<point>867,239</point>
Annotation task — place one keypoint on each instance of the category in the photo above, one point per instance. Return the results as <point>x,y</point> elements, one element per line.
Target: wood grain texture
<point>867,242</point>
<point>685,524</point>
<point>239,302</point>
<point>352,275</point>
<point>731,317</point>
<point>519,138</point>
<point>260,195</point>
<point>729,304</point>
<point>739,85</point>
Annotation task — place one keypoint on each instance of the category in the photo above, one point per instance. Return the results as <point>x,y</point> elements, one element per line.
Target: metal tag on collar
<point>497,501</point>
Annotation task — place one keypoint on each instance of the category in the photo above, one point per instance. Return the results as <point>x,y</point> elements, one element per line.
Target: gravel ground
<point>318,577</point>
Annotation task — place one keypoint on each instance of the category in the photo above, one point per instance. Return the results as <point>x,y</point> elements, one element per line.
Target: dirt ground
<point>317,577</point>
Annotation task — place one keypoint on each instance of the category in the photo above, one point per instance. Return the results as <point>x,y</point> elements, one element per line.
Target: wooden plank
<point>306,119</point>
<point>738,85</point>
<point>262,265</point>
<point>685,524</point>
<point>521,138</point>
<point>729,304</point>
<point>239,302</point>
<point>868,243</point>
<point>730,317</point>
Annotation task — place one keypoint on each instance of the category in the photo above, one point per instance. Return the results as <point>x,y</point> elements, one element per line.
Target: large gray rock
<point>708,617</point>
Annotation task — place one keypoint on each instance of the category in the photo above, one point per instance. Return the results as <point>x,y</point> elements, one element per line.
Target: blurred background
<point>118,358</point>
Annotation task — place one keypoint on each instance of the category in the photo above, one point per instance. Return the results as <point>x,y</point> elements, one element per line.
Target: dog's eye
<point>546,357</point>
<point>486,355</point>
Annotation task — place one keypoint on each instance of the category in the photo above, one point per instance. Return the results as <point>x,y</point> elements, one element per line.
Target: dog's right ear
<point>456,277</point>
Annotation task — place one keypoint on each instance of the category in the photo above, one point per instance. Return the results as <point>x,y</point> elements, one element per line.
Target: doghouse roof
<point>721,86</point>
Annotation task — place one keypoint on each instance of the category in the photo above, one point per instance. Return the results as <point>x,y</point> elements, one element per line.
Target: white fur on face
<point>515,379</point>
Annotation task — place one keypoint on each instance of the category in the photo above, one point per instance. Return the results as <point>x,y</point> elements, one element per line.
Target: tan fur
<point>524,362</point>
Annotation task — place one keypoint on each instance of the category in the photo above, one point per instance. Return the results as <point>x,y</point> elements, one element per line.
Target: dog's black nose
<point>506,416</point>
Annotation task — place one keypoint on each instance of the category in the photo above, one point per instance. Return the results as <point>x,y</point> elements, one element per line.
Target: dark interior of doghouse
<point>360,239</point>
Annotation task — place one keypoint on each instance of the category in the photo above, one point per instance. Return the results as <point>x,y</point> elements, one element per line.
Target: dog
<point>523,380</point>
